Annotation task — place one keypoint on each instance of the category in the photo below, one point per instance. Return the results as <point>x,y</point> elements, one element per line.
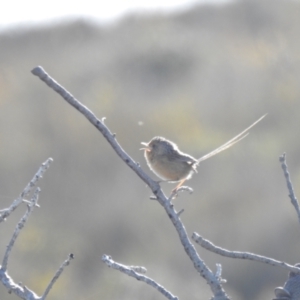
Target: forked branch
<point>212,280</point>
<point>20,290</point>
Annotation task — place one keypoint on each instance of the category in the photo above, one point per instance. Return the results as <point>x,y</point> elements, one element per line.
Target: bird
<point>172,165</point>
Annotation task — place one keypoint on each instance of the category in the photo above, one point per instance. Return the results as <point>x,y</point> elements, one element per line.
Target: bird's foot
<point>174,193</point>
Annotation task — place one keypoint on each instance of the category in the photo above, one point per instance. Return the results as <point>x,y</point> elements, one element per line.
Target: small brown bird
<point>170,164</point>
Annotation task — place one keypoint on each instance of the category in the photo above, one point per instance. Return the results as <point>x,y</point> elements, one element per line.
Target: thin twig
<point>19,227</point>
<point>208,245</point>
<point>219,273</point>
<point>289,184</point>
<point>21,291</point>
<point>4,213</point>
<point>200,266</point>
<point>180,212</point>
<point>133,273</point>
<point>56,275</point>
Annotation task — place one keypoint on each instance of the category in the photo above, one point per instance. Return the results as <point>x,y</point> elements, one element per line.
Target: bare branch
<point>133,273</point>
<point>200,266</point>
<point>241,255</point>
<point>138,269</point>
<point>219,273</point>
<point>21,291</point>
<point>292,196</point>
<point>56,275</point>
<point>18,289</point>
<point>19,227</point>
<point>4,213</point>
<point>99,124</point>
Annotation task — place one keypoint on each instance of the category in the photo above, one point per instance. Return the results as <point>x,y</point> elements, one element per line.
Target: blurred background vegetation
<point>197,77</point>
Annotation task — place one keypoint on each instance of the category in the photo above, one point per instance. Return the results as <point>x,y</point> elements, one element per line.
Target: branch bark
<point>132,272</point>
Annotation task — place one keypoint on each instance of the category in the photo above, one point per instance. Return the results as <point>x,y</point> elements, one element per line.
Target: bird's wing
<point>187,158</point>
<point>231,142</point>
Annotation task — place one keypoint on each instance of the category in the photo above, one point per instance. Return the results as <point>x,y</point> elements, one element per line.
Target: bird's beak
<point>147,148</point>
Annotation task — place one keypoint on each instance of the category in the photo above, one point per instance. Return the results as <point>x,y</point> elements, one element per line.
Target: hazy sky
<point>15,11</point>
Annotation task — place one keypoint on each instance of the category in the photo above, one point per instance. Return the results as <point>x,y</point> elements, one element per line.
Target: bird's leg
<point>179,185</point>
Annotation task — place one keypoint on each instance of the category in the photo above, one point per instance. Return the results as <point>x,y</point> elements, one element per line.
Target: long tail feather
<point>231,142</point>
